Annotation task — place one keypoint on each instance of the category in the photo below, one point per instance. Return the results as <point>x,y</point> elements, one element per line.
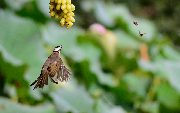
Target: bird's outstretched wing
<point>64,73</point>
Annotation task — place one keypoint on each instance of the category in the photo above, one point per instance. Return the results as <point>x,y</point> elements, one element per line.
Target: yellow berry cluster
<point>62,9</point>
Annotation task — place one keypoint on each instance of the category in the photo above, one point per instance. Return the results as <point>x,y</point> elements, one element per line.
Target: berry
<point>59,2</point>
<point>62,21</point>
<point>56,16</point>
<point>67,19</point>
<point>65,11</point>
<point>51,7</point>
<point>63,7</point>
<point>63,1</point>
<point>68,1</point>
<point>52,13</point>
<point>58,7</point>
<point>72,7</point>
<point>72,19</point>
<point>68,7</point>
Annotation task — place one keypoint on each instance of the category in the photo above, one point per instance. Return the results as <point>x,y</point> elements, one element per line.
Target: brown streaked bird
<point>53,67</point>
<point>135,23</point>
<point>141,34</point>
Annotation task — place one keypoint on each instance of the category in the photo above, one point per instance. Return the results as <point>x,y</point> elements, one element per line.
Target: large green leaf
<point>173,70</point>
<point>43,6</point>
<point>151,107</point>
<point>167,95</point>
<point>20,38</point>
<point>137,84</point>
<point>171,53</point>
<point>102,107</point>
<point>102,14</point>
<point>8,106</point>
<point>16,5</point>
<point>126,41</point>
<point>75,99</point>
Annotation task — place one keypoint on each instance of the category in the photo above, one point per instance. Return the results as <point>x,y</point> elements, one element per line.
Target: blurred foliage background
<point>114,70</point>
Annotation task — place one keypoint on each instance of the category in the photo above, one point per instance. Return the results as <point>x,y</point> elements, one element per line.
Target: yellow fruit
<point>52,13</point>
<point>62,21</point>
<point>61,25</point>
<point>72,7</point>
<point>65,11</point>
<point>59,2</point>
<point>51,7</point>
<point>70,10</point>
<point>63,7</point>
<point>68,1</point>
<point>68,14</point>
<point>70,23</point>
<point>58,7</point>
<point>68,7</point>
<point>65,16</point>
<point>72,14</point>
<point>72,19</point>
<point>63,1</point>
<point>56,16</point>
<point>67,19</point>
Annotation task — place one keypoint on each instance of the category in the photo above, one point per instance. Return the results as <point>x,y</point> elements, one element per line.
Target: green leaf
<point>8,106</point>
<point>16,5</point>
<point>173,70</point>
<point>24,43</point>
<point>126,41</point>
<point>72,100</point>
<point>43,6</point>
<point>167,95</point>
<point>156,67</point>
<point>102,107</point>
<point>93,55</point>
<point>102,15</point>
<point>170,53</point>
<point>137,84</point>
<point>14,75</point>
<point>150,107</point>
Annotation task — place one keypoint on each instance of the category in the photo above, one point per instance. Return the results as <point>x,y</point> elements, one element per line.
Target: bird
<point>53,67</point>
<point>135,23</point>
<point>141,34</point>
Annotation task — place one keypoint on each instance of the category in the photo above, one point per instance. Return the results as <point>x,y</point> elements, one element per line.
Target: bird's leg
<point>52,80</point>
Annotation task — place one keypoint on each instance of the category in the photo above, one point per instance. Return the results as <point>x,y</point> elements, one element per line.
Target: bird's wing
<point>64,73</point>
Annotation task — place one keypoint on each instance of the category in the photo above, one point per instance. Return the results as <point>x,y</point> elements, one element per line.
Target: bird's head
<point>57,49</point>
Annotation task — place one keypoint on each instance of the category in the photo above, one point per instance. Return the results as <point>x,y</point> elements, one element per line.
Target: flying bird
<point>53,67</point>
<point>141,34</point>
